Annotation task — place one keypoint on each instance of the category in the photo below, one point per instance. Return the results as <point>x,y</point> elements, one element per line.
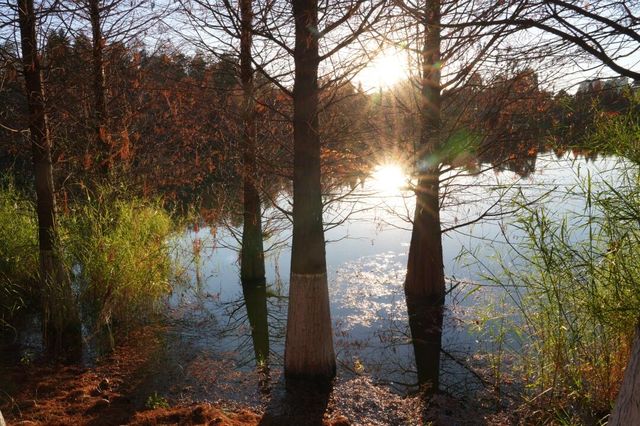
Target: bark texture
<point>252,260</point>
<point>627,408</point>
<point>61,325</point>
<point>309,346</point>
<point>425,275</point>
<point>425,284</point>
<point>100,112</point>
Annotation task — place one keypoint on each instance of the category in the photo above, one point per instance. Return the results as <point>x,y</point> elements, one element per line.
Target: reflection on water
<point>367,257</point>
<point>255,303</point>
<point>425,321</point>
<point>388,179</point>
<point>226,341</point>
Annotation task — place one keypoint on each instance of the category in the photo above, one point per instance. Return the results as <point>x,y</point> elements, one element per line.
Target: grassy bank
<point>577,301</point>
<point>574,284</point>
<point>116,251</point>
<point>18,254</point>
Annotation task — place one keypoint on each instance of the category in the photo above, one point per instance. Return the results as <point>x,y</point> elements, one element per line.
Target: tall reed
<point>118,251</point>
<point>18,252</point>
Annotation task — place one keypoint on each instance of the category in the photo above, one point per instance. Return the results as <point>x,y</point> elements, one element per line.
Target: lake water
<point>210,352</point>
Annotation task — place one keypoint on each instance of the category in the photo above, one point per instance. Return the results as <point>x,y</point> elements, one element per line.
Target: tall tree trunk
<point>627,408</point>
<point>252,260</point>
<point>309,344</point>
<point>99,114</point>
<point>424,284</point>
<point>61,326</point>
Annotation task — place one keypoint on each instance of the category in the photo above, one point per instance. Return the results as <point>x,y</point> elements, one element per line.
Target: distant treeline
<point>174,121</point>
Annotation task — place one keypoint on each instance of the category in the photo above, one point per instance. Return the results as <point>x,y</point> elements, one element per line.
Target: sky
<point>386,68</point>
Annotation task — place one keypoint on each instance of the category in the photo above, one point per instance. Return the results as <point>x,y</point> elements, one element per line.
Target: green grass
<point>574,283</point>
<point>116,249</point>
<point>156,401</point>
<point>18,252</point>
<point>119,255</point>
<point>575,288</point>
<point>619,132</point>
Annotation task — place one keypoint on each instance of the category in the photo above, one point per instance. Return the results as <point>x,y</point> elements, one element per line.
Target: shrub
<point>18,252</point>
<point>575,285</point>
<point>156,401</point>
<point>119,254</point>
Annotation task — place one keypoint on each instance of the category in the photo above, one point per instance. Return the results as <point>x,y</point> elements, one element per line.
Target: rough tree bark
<point>60,322</point>
<point>309,350</point>
<point>627,408</point>
<point>424,285</point>
<point>252,259</point>
<point>99,114</point>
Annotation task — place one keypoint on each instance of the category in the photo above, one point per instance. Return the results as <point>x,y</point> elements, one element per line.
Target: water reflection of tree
<point>496,127</point>
<point>425,321</point>
<point>258,320</point>
<point>426,326</point>
<point>255,301</point>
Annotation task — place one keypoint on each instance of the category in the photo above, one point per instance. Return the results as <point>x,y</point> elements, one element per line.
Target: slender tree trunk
<point>425,285</point>
<point>627,408</point>
<point>99,114</point>
<point>252,260</point>
<point>61,326</point>
<point>309,344</point>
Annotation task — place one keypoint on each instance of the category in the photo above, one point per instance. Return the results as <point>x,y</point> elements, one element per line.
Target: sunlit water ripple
<point>366,257</point>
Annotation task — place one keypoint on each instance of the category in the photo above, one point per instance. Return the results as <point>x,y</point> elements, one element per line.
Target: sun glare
<point>389,178</point>
<point>385,70</point>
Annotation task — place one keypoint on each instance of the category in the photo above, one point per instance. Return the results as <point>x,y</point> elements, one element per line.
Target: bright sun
<point>389,178</point>
<point>384,70</point>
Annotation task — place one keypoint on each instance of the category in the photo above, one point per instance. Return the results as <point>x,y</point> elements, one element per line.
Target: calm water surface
<point>210,351</point>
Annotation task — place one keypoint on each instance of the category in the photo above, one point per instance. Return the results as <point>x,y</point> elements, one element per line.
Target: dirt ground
<point>40,393</point>
<point>45,394</point>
